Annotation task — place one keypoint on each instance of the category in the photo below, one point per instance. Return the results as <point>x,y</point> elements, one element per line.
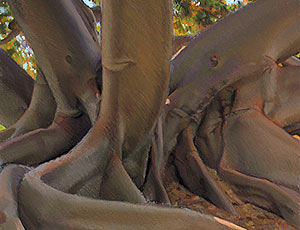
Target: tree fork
<point>10,178</point>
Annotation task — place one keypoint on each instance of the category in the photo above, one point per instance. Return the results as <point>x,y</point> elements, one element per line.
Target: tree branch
<point>205,67</point>
<point>43,145</point>
<point>68,53</point>
<point>39,114</point>
<point>16,89</point>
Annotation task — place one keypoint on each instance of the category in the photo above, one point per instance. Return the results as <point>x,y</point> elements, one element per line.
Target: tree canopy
<point>189,18</point>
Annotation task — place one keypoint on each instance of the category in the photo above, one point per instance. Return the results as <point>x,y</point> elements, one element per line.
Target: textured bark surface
<point>15,92</point>
<point>103,163</point>
<point>39,114</point>
<point>67,50</point>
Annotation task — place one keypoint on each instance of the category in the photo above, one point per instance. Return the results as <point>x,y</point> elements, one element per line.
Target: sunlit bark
<point>134,125</point>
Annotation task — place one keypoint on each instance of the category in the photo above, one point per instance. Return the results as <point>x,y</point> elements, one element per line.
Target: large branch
<point>244,38</point>
<point>67,51</point>
<point>16,87</point>
<point>230,50</point>
<point>91,214</point>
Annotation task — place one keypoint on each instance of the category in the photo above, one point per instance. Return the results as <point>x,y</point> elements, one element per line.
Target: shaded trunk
<point>16,87</point>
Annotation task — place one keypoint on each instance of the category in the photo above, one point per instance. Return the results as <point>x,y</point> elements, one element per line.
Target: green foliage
<point>17,48</point>
<point>5,18</point>
<point>20,51</point>
<point>191,16</point>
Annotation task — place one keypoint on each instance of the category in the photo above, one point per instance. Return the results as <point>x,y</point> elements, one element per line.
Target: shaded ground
<point>249,216</point>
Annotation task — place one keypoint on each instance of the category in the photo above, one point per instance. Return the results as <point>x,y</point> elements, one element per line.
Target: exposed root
<point>130,109</point>
<point>154,188</point>
<point>93,160</point>
<point>117,185</point>
<point>193,171</point>
<point>136,165</point>
<point>90,213</point>
<point>40,113</point>
<point>266,194</point>
<point>95,214</point>
<point>10,178</point>
<point>264,176</point>
<point>41,145</point>
<point>88,159</point>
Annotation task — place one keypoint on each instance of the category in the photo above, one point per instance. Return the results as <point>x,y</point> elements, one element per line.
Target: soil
<point>249,216</point>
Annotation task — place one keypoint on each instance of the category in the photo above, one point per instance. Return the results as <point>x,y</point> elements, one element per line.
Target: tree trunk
<point>121,150</point>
